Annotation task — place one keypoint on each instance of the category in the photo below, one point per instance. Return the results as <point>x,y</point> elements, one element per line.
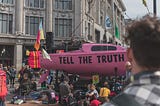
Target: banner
<point>95,79</point>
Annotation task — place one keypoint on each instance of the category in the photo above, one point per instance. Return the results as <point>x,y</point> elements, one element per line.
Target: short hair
<point>66,78</point>
<point>144,40</point>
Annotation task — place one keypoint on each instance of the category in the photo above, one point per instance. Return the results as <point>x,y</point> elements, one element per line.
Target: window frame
<point>34,23</point>
<point>61,24</point>
<point>6,1</point>
<point>7,22</point>
<point>63,5</point>
<point>34,4</point>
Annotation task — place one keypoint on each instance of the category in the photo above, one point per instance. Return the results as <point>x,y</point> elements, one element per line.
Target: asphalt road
<point>32,103</point>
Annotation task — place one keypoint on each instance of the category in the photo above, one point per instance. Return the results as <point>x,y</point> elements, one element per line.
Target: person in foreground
<point>144,56</point>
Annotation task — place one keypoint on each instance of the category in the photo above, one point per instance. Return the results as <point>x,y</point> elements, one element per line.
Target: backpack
<point>3,85</point>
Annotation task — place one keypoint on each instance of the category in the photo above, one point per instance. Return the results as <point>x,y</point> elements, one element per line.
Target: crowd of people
<point>26,83</point>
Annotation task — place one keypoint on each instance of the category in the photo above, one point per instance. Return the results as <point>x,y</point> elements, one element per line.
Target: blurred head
<point>128,65</point>
<point>66,79</point>
<point>106,84</point>
<point>1,65</point>
<point>5,69</point>
<point>144,40</point>
<point>92,87</point>
<point>25,76</point>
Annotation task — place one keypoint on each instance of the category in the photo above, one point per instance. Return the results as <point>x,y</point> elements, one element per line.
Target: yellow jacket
<point>104,92</point>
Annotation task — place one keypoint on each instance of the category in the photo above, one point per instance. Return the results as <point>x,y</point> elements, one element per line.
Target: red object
<point>34,59</point>
<point>95,103</point>
<point>3,86</point>
<point>113,93</point>
<point>59,51</point>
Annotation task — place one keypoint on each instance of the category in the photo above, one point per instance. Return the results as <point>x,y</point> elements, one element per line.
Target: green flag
<point>116,31</point>
<point>144,3</point>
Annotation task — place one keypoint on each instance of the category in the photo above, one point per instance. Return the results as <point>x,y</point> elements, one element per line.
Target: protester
<point>3,87</point>
<point>8,75</point>
<point>65,90</point>
<point>92,91</point>
<point>144,56</point>
<point>128,72</point>
<point>12,76</point>
<point>95,101</point>
<point>92,94</point>
<point>104,92</point>
<point>1,66</point>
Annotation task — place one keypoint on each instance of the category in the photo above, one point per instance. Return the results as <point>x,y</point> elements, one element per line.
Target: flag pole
<point>154,7</point>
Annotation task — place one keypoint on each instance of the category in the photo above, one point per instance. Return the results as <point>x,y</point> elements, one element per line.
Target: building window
<point>6,22</point>
<point>32,24</point>
<point>6,1</point>
<point>63,4</point>
<point>63,27</point>
<point>35,3</point>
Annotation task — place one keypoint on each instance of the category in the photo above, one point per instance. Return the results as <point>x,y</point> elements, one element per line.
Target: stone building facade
<point>82,19</point>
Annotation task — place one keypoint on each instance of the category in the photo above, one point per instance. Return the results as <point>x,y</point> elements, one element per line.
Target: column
<point>49,15</point>
<point>18,55</point>
<point>19,14</point>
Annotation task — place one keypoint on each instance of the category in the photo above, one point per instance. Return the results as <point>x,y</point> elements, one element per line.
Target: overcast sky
<point>135,8</point>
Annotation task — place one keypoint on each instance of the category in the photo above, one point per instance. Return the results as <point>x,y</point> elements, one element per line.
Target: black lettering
<point>109,58</point>
<point>80,60</point>
<point>84,60</point>
<point>68,60</point>
<point>71,60</point>
<point>64,60</point>
<point>90,59</point>
<point>104,59</point>
<point>99,60</point>
<point>115,57</point>
<point>60,58</point>
<point>121,57</point>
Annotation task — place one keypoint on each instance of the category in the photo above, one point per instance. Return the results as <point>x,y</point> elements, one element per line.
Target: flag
<point>41,31</point>
<point>108,23</point>
<point>40,36</point>
<point>34,60</point>
<point>116,31</point>
<point>144,3</point>
<point>46,55</point>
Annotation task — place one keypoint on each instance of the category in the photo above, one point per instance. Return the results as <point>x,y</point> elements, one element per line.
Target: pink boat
<point>91,59</point>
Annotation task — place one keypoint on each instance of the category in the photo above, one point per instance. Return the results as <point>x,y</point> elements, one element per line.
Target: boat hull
<point>102,63</point>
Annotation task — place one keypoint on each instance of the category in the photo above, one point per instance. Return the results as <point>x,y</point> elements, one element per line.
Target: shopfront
<point>7,55</point>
